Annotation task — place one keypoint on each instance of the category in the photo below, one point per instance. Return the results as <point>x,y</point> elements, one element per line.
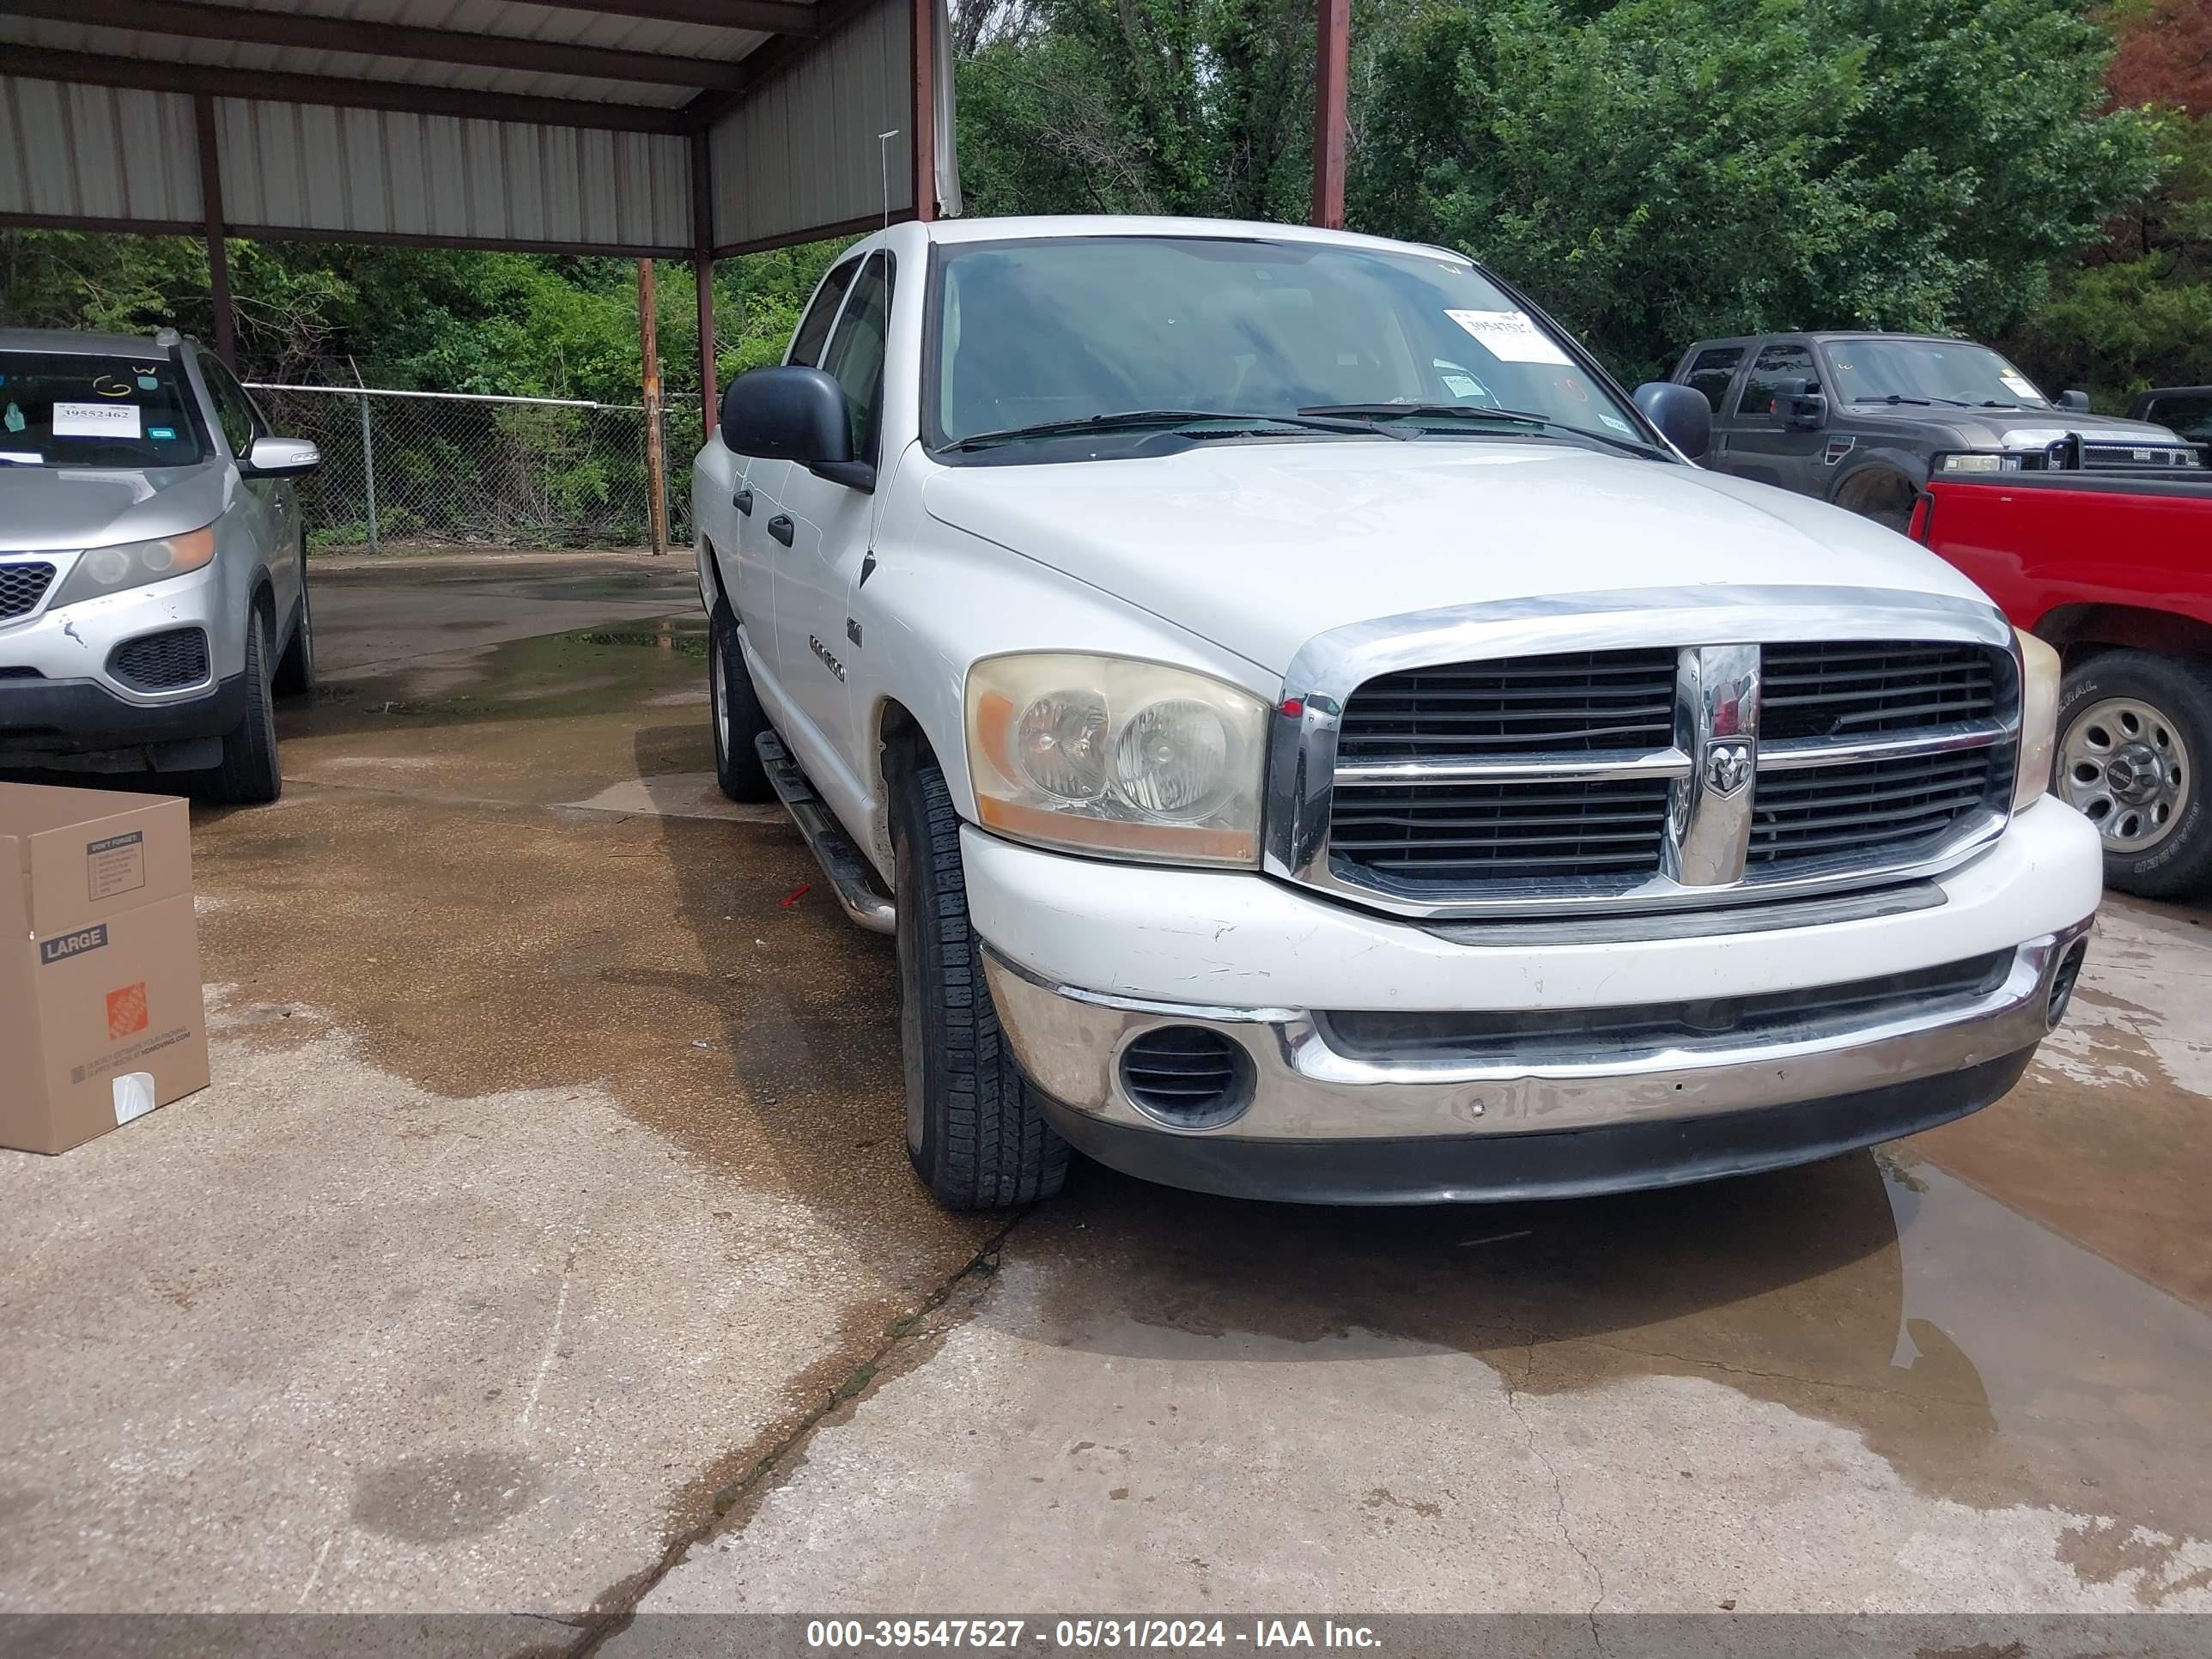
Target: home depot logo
<point>71,944</point>
<point>126,1012</point>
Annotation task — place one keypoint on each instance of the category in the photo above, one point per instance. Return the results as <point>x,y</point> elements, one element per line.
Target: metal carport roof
<point>647,128</point>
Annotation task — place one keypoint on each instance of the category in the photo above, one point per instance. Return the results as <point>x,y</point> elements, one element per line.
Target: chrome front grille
<point>1578,703</point>
<point>1645,776</point>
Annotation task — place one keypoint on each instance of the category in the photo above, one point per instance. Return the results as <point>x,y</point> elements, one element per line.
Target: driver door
<point>1762,445</point>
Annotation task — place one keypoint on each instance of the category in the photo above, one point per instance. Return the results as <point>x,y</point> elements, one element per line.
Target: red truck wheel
<point>2134,731</point>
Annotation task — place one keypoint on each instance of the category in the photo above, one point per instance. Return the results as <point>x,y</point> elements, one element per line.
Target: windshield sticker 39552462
<point>1509,336</point>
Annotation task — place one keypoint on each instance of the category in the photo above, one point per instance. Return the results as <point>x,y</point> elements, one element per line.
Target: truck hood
<point>58,508</point>
<point>1259,547</point>
<point>2034,429</point>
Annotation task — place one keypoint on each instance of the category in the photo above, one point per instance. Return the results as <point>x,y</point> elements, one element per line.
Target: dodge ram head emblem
<point>1728,768</point>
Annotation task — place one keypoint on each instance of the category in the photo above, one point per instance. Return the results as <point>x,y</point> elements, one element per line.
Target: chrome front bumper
<point>1070,1041</point>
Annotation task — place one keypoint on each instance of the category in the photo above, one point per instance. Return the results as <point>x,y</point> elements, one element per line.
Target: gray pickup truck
<point>1858,419</point>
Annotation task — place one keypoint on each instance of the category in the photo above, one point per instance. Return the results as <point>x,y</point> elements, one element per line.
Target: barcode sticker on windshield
<point>2021,386</point>
<point>97,420</point>
<point>1509,336</point>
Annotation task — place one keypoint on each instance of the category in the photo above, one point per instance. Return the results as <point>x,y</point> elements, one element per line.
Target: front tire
<point>2135,734</point>
<point>738,717</point>
<point>249,775</point>
<point>973,1131</point>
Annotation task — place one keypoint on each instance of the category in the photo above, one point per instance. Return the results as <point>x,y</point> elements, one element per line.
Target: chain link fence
<point>444,469</point>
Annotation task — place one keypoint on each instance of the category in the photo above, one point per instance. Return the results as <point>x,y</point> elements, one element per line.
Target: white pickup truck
<point>1314,736</point>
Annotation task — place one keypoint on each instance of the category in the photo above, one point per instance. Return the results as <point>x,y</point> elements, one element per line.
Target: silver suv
<point>153,569</point>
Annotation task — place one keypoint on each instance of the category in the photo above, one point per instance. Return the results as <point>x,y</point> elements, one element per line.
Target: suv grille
<point>23,585</point>
<point>1578,775</point>
<point>161,662</point>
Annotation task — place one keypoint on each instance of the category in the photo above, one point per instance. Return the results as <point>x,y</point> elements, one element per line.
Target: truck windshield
<point>60,409</point>
<point>1927,371</point>
<point>1054,331</point>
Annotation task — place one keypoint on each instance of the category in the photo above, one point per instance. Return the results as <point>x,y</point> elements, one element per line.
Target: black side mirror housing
<point>793,414</point>
<point>1681,413</point>
<point>1800,404</point>
<point>2074,403</point>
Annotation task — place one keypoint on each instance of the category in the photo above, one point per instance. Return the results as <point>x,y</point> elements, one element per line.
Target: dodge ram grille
<point>1653,776</point>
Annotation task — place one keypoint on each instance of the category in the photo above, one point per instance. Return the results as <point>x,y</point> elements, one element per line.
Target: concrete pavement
<point>545,1245</point>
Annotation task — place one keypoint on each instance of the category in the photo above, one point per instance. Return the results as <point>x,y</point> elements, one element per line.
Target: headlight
<point>133,564</point>
<point>1980,464</point>
<point>2039,720</point>
<point>1129,759</point>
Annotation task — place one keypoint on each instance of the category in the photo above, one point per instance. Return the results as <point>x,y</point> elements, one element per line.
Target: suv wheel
<point>295,670</point>
<point>738,717</point>
<point>2135,734</point>
<point>249,775</point>
<point>973,1130</point>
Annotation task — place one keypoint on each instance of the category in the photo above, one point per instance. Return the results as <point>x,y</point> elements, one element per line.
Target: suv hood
<point>45,509</point>
<point>1259,547</point>
<point>2034,429</point>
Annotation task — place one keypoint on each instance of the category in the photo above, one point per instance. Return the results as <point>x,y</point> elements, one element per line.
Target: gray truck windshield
<point>1060,330</point>
<point>1935,371</point>
<point>59,409</point>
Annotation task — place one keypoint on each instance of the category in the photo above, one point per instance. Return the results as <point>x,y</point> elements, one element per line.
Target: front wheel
<point>973,1130</point>
<point>737,714</point>
<point>2135,729</point>
<point>249,775</point>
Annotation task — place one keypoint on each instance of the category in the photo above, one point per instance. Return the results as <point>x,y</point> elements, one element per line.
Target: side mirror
<point>1681,413</point>
<point>2074,403</point>
<point>793,414</point>
<point>1801,406</point>
<point>280,458</point>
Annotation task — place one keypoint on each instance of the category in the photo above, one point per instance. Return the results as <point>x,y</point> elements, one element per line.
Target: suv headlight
<point>133,564</point>
<point>1980,464</point>
<point>1108,756</point>
<point>2039,720</point>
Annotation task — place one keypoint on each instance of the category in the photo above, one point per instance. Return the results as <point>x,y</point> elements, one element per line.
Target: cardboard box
<point>101,1016</point>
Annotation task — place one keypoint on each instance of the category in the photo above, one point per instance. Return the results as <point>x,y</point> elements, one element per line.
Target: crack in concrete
<point>599,1627</point>
<point>1559,1492</point>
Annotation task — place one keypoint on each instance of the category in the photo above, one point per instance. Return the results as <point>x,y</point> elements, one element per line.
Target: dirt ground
<point>545,1247</point>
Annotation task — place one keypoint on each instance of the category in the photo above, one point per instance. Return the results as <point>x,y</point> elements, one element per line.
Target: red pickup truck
<point>2115,570</point>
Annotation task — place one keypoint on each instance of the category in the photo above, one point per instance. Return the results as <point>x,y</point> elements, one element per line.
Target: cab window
<point>856,357</point>
<point>814,329</point>
<point>1784,360</point>
<point>1712,371</point>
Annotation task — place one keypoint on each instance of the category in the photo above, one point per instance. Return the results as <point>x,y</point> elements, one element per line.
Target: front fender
<point>1886,458</point>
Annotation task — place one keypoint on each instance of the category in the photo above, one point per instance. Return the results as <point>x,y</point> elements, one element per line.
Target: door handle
<point>781,527</point>
<point>743,501</point>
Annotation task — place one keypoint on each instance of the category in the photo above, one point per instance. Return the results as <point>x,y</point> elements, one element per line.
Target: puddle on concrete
<point>1986,1358</point>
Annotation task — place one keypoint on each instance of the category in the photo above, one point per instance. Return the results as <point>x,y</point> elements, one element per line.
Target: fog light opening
<point>1186,1077</point>
<point>2061,982</point>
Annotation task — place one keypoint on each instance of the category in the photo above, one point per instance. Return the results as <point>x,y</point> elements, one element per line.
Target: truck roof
<point>1038,226</point>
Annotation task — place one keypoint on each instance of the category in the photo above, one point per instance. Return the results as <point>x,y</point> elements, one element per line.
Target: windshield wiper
<point>1470,411</point>
<point>1140,420</point>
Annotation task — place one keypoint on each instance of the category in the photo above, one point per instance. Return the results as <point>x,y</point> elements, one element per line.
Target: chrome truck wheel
<point>2124,764</point>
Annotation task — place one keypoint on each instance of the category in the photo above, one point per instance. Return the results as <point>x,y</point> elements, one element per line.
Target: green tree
<point>1660,170</point>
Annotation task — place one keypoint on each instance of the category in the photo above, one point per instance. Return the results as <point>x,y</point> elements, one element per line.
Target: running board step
<point>850,874</point>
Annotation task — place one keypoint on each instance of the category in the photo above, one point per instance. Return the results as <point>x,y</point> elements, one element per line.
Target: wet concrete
<point>551,1191</point>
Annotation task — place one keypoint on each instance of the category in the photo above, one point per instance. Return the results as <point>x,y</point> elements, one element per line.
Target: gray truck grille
<point>161,662</point>
<point>1579,775</point>
<point>23,585</point>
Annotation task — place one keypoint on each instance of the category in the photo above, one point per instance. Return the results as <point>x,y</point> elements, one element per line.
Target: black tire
<point>249,775</point>
<point>734,712</point>
<point>2179,862</point>
<point>973,1131</point>
<point>1886,497</point>
<point>296,670</point>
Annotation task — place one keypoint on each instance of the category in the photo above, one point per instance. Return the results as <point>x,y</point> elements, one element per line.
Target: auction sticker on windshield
<point>97,420</point>
<point>2019,385</point>
<point>1509,336</point>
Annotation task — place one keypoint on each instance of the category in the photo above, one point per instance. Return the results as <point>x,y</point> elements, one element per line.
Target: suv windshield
<point>59,409</point>
<point>1932,371</point>
<point>1035,333</point>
